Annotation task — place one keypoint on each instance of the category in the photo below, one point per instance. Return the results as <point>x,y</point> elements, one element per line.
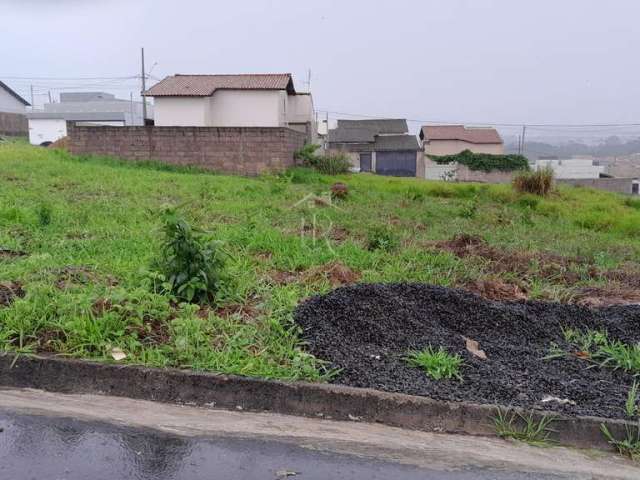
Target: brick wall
<point>237,150</point>
<point>13,124</point>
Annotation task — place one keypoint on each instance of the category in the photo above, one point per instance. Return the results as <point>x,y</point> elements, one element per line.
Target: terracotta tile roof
<point>205,85</point>
<point>460,132</point>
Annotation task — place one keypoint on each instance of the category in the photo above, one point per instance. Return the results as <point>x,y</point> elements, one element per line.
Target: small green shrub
<point>438,364</point>
<point>528,201</point>
<point>190,266</point>
<point>485,162</point>
<point>381,238</point>
<point>470,209</point>
<point>329,163</point>
<point>307,154</point>
<point>333,164</point>
<point>632,203</point>
<point>630,444</point>
<point>539,182</point>
<point>45,214</point>
<point>415,194</point>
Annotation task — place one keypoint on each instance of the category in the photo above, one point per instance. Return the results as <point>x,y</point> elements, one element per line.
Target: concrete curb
<point>295,398</point>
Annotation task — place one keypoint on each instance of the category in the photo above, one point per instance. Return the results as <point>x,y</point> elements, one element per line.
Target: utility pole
<point>50,101</point>
<point>133,114</point>
<point>309,81</point>
<point>32,104</point>
<point>144,88</point>
<point>524,131</point>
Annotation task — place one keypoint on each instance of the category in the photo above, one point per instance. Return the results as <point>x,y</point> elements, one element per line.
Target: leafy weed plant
<point>438,364</point>
<point>524,428</point>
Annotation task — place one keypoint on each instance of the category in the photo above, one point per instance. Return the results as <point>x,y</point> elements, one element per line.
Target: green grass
<point>596,346</point>
<point>524,428</point>
<point>92,227</point>
<point>438,364</point>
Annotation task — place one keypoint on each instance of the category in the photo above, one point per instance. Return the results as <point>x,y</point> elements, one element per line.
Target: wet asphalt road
<point>54,448</point>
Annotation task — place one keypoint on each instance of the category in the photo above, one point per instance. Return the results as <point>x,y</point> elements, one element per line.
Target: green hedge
<point>485,161</point>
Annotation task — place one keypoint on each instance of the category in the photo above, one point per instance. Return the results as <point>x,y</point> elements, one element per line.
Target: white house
<point>571,168</point>
<point>245,100</point>
<point>10,101</point>
<point>12,110</point>
<point>94,108</point>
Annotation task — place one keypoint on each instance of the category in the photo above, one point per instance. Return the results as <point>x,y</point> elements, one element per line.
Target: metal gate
<point>365,162</point>
<point>397,164</point>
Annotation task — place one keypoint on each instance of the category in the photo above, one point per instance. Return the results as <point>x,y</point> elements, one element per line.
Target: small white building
<point>89,108</point>
<point>245,100</point>
<point>10,101</point>
<point>571,168</point>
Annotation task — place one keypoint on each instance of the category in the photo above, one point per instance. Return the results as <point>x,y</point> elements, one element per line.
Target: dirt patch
<point>339,234</point>
<point>247,312</point>
<point>70,276</point>
<point>367,330</point>
<point>61,144</point>
<point>336,273</point>
<point>606,296</point>
<point>6,253</point>
<point>497,290</point>
<point>48,340</point>
<point>9,291</point>
<point>152,332</point>
<point>559,269</point>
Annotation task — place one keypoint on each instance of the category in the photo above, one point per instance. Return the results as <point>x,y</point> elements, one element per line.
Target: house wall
<point>181,111</point>
<point>51,129</point>
<point>247,108</point>
<point>462,173</point>
<point>237,150</point>
<point>9,103</point>
<point>571,168</point>
<point>13,124</point>
<point>225,108</point>
<point>451,147</point>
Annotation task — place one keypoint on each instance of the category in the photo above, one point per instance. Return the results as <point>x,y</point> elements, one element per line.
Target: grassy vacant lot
<point>89,229</point>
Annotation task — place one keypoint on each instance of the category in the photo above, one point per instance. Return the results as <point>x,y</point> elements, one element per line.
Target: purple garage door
<point>396,164</point>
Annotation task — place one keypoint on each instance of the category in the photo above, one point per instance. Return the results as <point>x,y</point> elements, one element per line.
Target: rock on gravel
<point>366,330</point>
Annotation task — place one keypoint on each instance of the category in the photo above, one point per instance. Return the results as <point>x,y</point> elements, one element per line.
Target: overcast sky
<point>482,61</point>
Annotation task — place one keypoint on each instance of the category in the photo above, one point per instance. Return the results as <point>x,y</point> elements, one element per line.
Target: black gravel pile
<point>366,330</point>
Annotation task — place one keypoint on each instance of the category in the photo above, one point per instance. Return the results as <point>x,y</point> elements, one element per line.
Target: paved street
<point>90,437</point>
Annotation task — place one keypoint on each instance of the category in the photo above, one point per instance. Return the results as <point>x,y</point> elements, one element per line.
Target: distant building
<point>451,139</point>
<point>571,168</point>
<point>242,100</point>
<point>12,110</point>
<point>381,146</point>
<point>96,108</point>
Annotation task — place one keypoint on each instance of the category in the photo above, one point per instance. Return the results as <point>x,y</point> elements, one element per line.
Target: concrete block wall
<point>617,185</point>
<point>13,125</point>
<point>235,150</point>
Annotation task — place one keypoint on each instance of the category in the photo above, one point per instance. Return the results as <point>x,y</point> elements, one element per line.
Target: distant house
<point>12,110</point>
<point>452,139</point>
<point>89,108</point>
<point>382,146</point>
<point>246,100</point>
<point>571,168</point>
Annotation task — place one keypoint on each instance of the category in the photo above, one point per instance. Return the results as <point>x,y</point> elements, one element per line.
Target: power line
<point>496,124</point>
